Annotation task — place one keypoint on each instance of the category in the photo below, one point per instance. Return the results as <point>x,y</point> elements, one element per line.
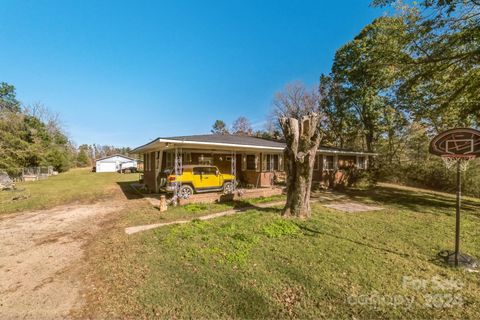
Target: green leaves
<point>438,83</point>
<point>8,99</point>
<point>27,140</point>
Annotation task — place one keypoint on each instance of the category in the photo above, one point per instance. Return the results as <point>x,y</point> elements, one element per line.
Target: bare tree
<point>300,121</point>
<point>51,119</point>
<point>295,101</point>
<point>242,126</point>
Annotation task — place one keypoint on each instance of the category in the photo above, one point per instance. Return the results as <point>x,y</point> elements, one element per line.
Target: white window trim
<point>257,162</point>
<point>365,159</point>
<point>325,162</point>
<point>272,162</point>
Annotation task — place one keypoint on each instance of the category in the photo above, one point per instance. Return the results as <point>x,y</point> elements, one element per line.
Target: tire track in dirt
<point>41,258</point>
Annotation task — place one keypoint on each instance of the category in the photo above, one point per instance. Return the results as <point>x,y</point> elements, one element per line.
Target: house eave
<point>159,144</point>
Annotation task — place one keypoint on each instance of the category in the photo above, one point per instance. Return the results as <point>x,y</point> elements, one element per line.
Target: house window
<point>316,166</point>
<point>206,161</point>
<point>170,160</point>
<point>361,162</point>
<point>271,162</point>
<point>148,161</point>
<point>251,162</point>
<point>329,163</point>
<point>187,157</point>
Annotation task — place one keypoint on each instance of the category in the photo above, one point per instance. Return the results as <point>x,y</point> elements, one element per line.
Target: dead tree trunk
<point>302,138</point>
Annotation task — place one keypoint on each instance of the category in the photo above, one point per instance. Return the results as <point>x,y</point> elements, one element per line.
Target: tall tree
<point>219,127</point>
<point>242,126</point>
<point>28,139</point>
<point>365,78</point>
<point>297,112</point>
<point>341,122</point>
<point>439,82</point>
<point>8,99</point>
<point>82,156</point>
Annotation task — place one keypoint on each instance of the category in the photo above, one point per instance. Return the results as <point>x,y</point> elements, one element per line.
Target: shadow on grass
<point>128,191</point>
<point>245,205</point>
<point>413,201</point>
<point>312,232</point>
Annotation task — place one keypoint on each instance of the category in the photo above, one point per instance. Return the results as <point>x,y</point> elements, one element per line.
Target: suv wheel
<point>185,192</point>
<point>228,187</point>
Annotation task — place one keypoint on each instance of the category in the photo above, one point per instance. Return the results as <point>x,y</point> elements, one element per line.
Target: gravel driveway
<point>41,256</point>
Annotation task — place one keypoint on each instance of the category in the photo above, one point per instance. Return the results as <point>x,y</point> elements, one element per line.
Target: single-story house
<point>254,161</point>
<point>114,163</point>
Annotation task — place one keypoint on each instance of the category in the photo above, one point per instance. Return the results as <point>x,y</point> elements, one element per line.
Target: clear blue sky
<point>124,72</point>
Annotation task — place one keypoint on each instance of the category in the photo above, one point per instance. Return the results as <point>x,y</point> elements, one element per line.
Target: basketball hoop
<point>457,147</point>
<point>452,160</point>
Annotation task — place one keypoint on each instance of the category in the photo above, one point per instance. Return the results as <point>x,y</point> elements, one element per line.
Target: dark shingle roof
<point>230,139</point>
<point>238,140</point>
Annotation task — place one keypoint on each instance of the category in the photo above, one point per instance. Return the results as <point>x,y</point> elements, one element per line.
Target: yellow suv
<point>198,178</point>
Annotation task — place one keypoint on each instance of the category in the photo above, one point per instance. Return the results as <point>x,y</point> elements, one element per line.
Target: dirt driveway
<point>41,256</point>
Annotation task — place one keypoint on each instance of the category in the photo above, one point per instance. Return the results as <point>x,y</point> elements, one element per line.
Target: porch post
<point>159,169</point>
<point>233,166</point>
<point>155,170</point>
<point>178,166</point>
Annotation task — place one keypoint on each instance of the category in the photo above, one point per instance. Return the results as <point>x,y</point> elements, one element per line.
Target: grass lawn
<point>77,185</point>
<point>366,265</point>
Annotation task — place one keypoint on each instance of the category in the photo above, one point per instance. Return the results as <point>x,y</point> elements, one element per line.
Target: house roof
<point>115,155</point>
<point>230,141</point>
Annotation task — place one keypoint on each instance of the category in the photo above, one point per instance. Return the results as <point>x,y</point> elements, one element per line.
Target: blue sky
<point>124,72</point>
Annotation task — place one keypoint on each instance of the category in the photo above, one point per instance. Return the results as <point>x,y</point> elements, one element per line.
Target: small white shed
<point>115,163</point>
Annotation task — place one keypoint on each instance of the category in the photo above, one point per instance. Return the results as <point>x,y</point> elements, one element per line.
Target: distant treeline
<point>88,153</point>
<point>31,136</point>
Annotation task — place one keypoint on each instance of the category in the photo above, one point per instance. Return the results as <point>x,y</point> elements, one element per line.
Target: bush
<point>354,178</point>
<point>432,174</point>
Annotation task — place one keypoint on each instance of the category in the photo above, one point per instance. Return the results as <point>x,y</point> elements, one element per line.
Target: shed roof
<point>115,155</point>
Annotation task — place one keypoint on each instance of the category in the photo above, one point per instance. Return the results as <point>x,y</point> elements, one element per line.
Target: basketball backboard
<point>461,141</point>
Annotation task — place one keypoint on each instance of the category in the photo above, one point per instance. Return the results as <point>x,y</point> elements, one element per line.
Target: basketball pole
<point>457,218</point>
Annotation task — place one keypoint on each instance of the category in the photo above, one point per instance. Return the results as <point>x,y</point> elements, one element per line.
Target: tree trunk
<point>302,138</point>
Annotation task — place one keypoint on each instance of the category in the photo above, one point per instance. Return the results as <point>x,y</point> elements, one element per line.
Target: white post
<point>178,171</point>
<point>233,164</point>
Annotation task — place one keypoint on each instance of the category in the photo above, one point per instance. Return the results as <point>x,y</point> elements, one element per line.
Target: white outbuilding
<point>115,163</point>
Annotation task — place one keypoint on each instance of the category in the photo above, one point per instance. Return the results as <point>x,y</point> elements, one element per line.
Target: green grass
<point>78,185</point>
<point>259,265</point>
<point>149,214</point>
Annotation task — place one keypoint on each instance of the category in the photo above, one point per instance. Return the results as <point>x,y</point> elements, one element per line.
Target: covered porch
<point>253,167</point>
